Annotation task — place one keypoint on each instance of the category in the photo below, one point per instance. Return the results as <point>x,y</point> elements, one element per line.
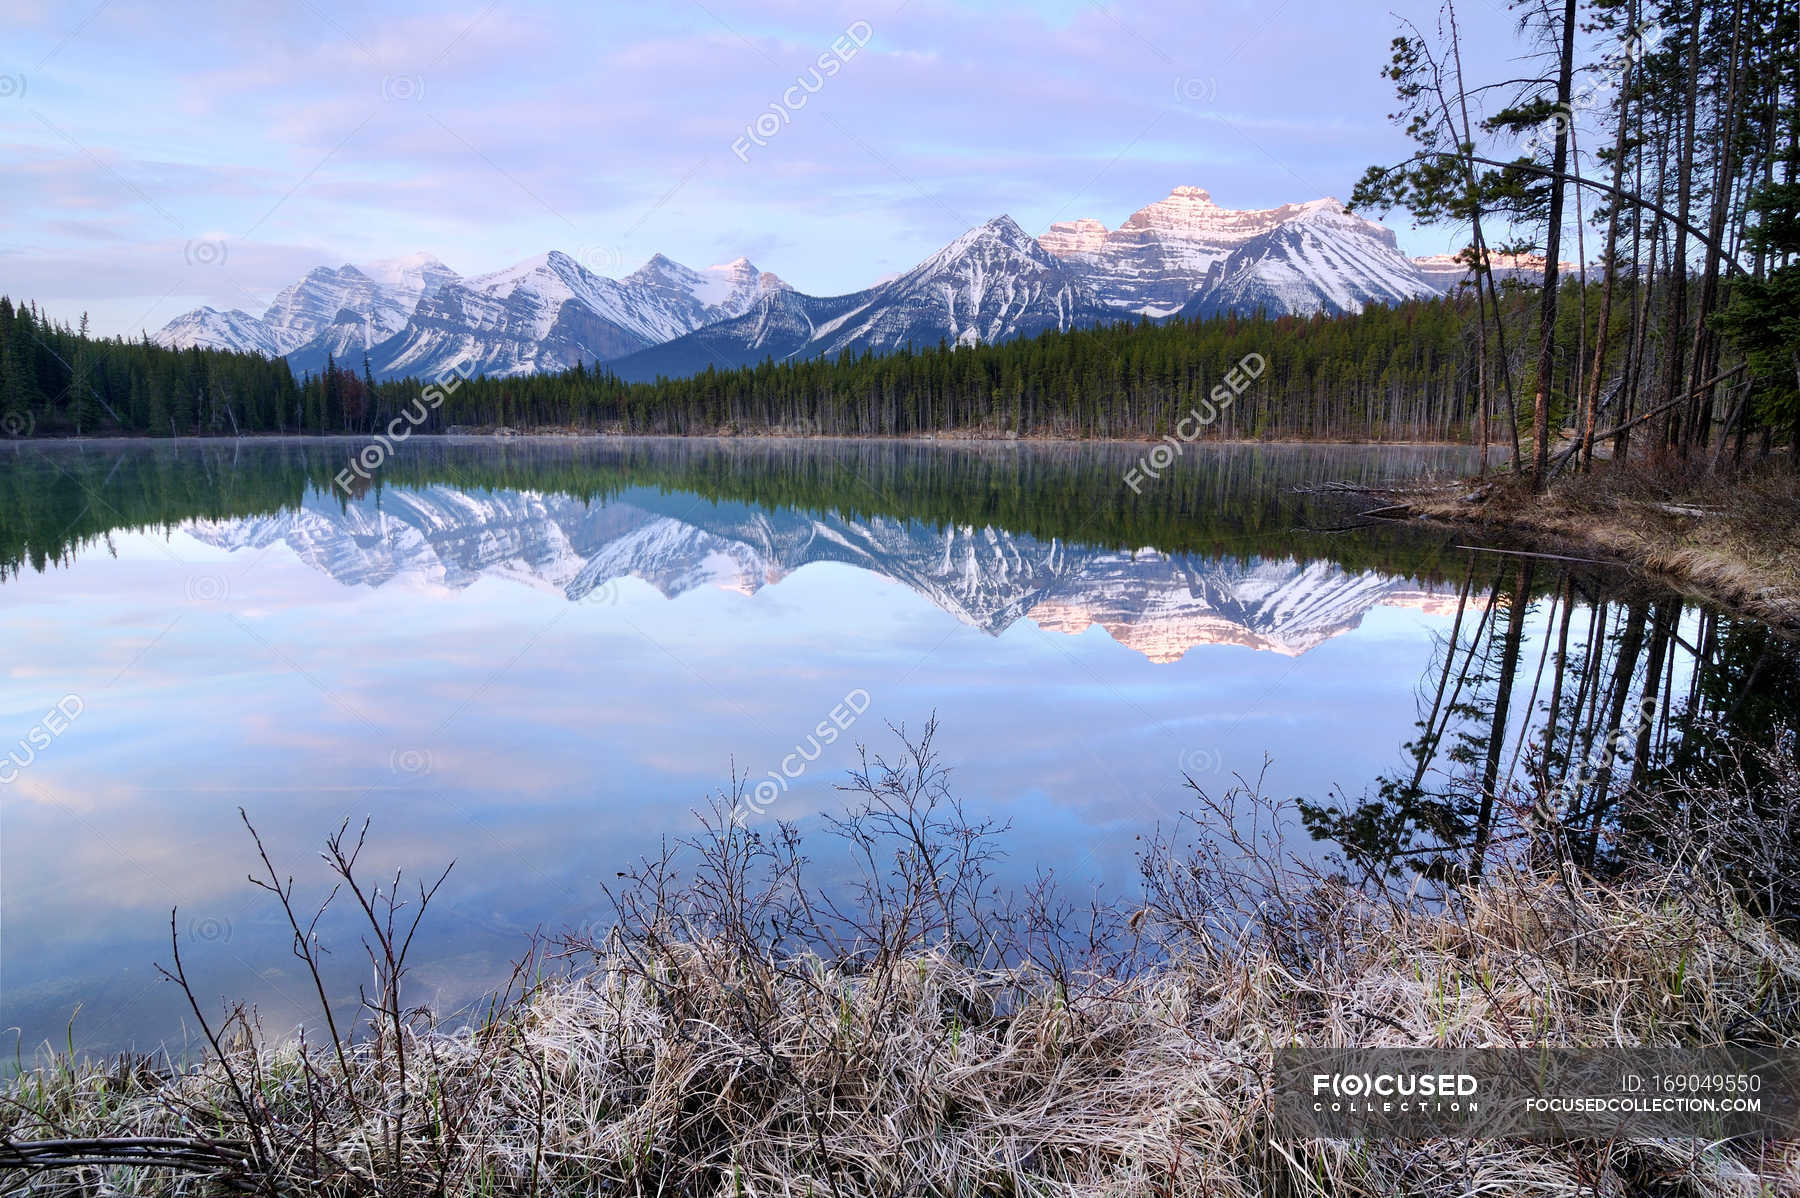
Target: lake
<point>537,658</point>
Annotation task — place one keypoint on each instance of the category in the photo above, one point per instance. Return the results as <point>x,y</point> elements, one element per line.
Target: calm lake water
<point>537,658</point>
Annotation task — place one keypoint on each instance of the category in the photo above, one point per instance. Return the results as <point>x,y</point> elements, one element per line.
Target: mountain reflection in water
<point>537,657</point>
<point>1159,604</point>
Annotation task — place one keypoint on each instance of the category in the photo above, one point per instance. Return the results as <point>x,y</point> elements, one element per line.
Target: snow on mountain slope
<point>414,315</point>
<point>1157,259</point>
<point>991,284</point>
<point>549,312</point>
<point>542,285</point>
<point>700,297</point>
<point>209,328</point>
<point>1446,272</point>
<point>1183,253</point>
<point>1321,259</point>
<point>780,325</point>
<point>323,304</point>
<point>371,316</point>
<point>412,278</point>
<point>344,341</point>
<point>303,310</point>
<point>1160,605</point>
<point>538,316</point>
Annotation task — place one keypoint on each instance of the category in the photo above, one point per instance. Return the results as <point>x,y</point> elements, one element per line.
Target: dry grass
<point>954,1047</point>
<point>935,1077</point>
<point>1734,539</point>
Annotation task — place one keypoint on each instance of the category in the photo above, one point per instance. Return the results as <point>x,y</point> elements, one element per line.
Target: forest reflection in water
<point>1592,719</point>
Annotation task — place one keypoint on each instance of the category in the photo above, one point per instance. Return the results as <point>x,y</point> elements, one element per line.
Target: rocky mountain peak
<point>1183,207</point>
<point>1168,256</point>
<point>1067,238</point>
<point>991,283</point>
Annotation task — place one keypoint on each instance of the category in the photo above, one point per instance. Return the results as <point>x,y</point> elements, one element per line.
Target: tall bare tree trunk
<point>1611,266</point>
<point>1540,433</point>
<point>1483,276</point>
<point>1662,630</point>
<point>1701,405</point>
<point>1676,328</point>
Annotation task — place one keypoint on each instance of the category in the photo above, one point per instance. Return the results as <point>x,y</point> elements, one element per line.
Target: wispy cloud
<point>487,132</point>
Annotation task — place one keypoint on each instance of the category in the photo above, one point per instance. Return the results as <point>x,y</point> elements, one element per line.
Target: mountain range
<point>1160,605</point>
<point>1450,271</point>
<point>1183,254</point>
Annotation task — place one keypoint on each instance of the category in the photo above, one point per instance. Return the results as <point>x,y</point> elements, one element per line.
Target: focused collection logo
<point>1395,1093</point>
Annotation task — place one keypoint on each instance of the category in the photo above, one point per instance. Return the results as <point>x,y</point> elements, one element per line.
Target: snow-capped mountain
<point>1320,259</point>
<point>209,328</point>
<point>1154,262</point>
<point>1187,254</point>
<point>1184,253</point>
<point>693,298</point>
<point>545,313</point>
<point>379,296</point>
<point>411,278</point>
<point>1446,272</point>
<point>416,316</point>
<point>550,312</point>
<point>346,340</point>
<point>1160,605</point>
<point>993,283</point>
<point>305,309</point>
<point>332,309</point>
<point>780,325</point>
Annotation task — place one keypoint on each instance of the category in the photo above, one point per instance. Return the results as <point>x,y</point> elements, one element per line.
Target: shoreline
<point>940,438</point>
<point>1732,542</point>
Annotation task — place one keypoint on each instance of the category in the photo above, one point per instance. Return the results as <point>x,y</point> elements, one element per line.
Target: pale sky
<point>156,157</point>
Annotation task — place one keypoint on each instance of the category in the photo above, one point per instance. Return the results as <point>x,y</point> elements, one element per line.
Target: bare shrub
<point>1736,829</point>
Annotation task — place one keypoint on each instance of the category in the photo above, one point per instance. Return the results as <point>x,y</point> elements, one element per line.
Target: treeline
<point>1389,374</point>
<point>57,381</point>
